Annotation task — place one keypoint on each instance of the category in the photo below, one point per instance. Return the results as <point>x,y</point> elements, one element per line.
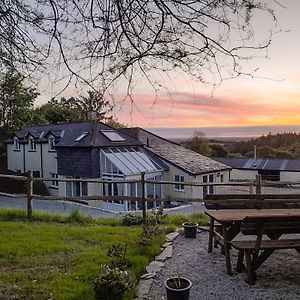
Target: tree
<point>103,41</point>
<point>54,114</point>
<point>218,150</point>
<point>114,122</point>
<point>15,100</point>
<point>92,103</point>
<point>198,144</point>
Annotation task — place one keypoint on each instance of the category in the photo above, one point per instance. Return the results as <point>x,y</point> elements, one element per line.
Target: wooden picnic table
<point>231,220</point>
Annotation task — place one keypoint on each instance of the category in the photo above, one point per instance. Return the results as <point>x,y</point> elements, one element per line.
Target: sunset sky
<point>271,98</point>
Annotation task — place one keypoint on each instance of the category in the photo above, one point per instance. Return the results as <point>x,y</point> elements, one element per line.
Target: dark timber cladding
<point>78,162</point>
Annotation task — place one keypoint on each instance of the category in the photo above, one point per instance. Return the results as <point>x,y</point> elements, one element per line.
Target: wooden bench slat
<point>248,201</point>
<point>267,244</point>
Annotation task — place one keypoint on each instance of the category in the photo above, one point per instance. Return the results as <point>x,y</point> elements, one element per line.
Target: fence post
<point>29,194</point>
<point>258,184</point>
<point>143,196</point>
<point>251,187</point>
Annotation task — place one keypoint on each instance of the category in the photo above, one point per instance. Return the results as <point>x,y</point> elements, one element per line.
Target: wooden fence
<point>254,187</point>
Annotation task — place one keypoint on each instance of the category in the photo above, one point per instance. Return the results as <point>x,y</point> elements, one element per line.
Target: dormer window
<point>17,146</point>
<point>51,144</point>
<point>32,144</point>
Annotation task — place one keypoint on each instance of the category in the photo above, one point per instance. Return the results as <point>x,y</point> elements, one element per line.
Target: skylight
<point>112,135</point>
<point>82,136</point>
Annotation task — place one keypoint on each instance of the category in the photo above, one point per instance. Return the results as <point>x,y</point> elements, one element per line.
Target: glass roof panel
<point>117,162</point>
<point>131,162</point>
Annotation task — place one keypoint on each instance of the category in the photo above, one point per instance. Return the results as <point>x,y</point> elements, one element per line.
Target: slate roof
<point>67,133</point>
<point>187,160</point>
<point>261,164</point>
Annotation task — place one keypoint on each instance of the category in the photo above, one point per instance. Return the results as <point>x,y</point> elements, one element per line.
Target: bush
<point>112,283</point>
<point>117,253</point>
<point>132,219</point>
<point>151,227</point>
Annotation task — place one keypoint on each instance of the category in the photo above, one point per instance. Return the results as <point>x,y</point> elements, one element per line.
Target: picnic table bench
<point>252,201</point>
<point>246,201</point>
<point>257,251</point>
<point>229,225</point>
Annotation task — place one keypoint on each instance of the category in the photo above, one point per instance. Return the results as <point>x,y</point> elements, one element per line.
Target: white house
<point>89,150</point>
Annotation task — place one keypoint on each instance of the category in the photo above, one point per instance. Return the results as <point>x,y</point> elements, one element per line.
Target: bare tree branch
<point>101,42</point>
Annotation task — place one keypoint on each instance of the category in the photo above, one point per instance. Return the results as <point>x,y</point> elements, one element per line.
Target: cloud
<point>183,109</point>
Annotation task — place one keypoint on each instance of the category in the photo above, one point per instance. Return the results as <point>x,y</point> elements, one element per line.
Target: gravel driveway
<point>278,277</point>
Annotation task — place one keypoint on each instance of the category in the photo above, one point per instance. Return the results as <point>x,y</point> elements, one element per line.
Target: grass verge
<point>58,257</point>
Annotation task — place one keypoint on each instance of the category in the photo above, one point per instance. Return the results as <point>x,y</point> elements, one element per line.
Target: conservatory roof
<point>131,160</point>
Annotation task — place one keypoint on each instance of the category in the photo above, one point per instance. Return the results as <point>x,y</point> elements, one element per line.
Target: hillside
<point>280,145</point>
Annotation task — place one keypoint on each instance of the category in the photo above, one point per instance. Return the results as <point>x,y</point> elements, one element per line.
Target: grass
<point>58,257</point>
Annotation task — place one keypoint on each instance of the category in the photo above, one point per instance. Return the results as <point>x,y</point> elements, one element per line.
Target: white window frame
<point>51,144</point>
<point>32,144</point>
<point>179,186</point>
<point>17,146</point>
<point>73,184</point>
<point>54,182</point>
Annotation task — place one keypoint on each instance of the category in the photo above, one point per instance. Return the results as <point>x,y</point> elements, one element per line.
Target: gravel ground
<point>278,278</point>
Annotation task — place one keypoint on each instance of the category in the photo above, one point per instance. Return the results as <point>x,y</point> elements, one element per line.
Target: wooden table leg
<point>240,265</point>
<point>250,268</point>
<point>226,250</point>
<point>211,235</point>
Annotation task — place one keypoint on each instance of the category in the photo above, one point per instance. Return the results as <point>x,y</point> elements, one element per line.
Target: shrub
<point>151,227</point>
<point>112,283</point>
<point>132,219</point>
<point>117,253</point>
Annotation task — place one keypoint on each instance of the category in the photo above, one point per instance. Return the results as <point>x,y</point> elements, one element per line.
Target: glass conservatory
<point>127,163</point>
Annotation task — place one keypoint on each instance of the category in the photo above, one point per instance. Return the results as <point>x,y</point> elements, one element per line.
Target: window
<point>51,144</point>
<point>32,144</point>
<point>208,189</point>
<point>82,136</point>
<point>179,187</point>
<point>112,135</point>
<point>17,146</point>
<point>54,182</point>
<point>221,177</point>
<point>76,188</point>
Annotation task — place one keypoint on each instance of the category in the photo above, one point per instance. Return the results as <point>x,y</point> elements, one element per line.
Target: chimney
<point>91,115</point>
<point>255,152</point>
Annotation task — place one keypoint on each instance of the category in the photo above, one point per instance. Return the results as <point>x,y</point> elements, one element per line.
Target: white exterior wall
<point>236,174</point>
<point>14,158</point>
<point>41,160</point>
<point>290,176</point>
<point>190,192</point>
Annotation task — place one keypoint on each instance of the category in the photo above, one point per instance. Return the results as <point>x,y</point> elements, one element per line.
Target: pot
<point>190,229</point>
<point>178,288</point>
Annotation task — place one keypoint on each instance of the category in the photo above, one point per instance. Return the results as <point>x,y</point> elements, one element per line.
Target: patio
<point>278,278</point>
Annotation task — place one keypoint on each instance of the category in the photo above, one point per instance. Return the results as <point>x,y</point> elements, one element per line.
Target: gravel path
<point>278,278</point>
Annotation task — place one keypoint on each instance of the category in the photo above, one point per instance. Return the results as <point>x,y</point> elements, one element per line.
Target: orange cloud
<point>182,109</point>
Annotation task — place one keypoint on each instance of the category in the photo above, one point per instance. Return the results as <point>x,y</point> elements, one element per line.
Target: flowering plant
<point>112,283</point>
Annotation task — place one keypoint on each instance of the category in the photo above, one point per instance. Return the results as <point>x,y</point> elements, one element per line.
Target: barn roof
<point>261,164</point>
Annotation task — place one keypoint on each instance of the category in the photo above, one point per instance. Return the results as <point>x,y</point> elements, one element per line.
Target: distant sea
<point>223,132</point>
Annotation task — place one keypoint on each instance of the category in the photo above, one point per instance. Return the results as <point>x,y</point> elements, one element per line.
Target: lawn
<point>60,260</point>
